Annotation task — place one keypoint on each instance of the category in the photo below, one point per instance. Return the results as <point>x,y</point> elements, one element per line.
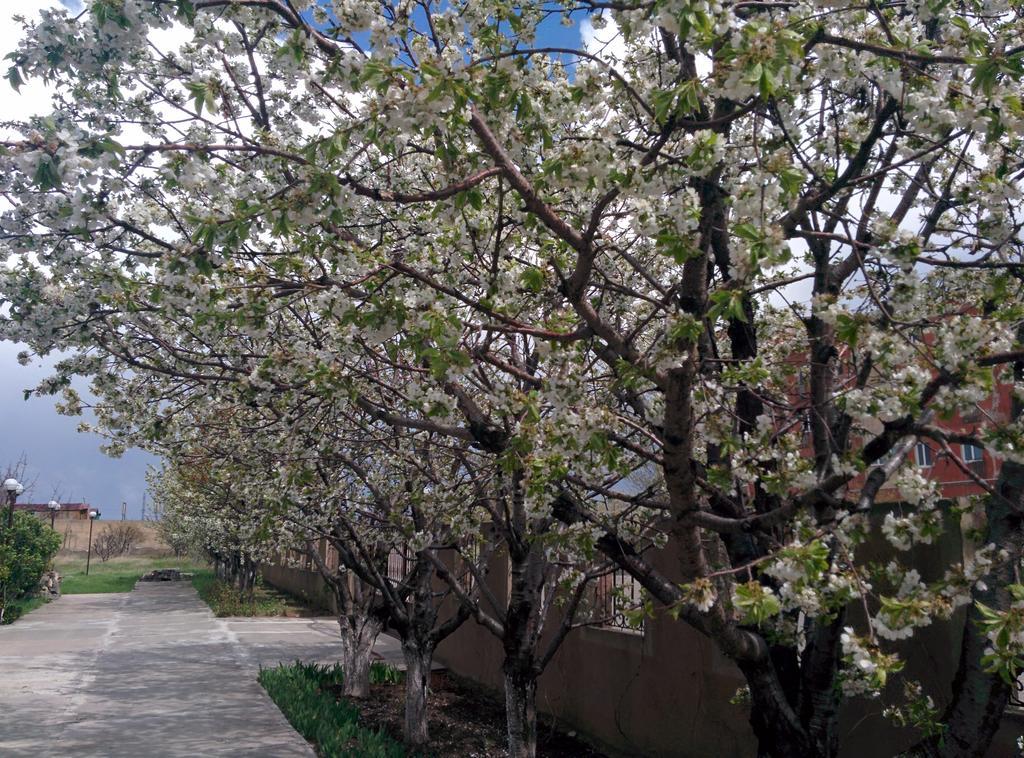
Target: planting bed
<point>465,720</point>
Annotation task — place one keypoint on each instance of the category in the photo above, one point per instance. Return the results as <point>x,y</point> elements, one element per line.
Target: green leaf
<point>756,603</point>
<point>663,102</point>
<point>985,75</point>
<point>109,11</point>
<point>848,328</point>
<point>747,231</point>
<point>198,90</point>
<point>14,77</point>
<point>186,10</point>
<point>727,303</point>
<point>532,279</point>
<point>791,179</point>
<point>675,247</point>
<point>686,329</point>
<point>46,175</point>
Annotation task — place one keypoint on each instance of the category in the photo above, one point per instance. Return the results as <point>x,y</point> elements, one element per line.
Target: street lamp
<point>13,488</point>
<point>88,555</point>
<point>54,506</point>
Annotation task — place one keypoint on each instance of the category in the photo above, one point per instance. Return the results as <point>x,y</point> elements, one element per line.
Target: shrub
<point>226,599</point>
<point>305,694</point>
<point>115,540</point>
<point>26,550</point>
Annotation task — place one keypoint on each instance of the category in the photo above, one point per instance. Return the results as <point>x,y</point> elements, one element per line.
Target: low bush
<point>26,550</point>
<point>226,599</point>
<point>116,539</point>
<point>305,694</point>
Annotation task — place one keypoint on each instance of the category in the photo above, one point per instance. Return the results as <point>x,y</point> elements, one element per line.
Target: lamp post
<point>13,488</point>
<point>88,555</point>
<point>54,506</point>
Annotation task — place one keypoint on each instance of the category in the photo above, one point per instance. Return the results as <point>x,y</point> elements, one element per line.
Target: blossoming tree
<point>746,253</point>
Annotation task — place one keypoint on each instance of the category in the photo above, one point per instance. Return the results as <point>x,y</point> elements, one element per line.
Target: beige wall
<point>666,692</point>
<point>76,536</point>
<point>308,585</point>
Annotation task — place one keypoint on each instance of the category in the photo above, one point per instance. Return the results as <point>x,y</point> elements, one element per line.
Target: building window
<point>972,453</point>
<point>923,454</point>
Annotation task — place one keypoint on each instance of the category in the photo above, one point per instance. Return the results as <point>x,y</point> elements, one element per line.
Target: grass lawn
<point>121,574</point>
<point>115,575</point>
<point>226,600</point>
<point>18,608</point>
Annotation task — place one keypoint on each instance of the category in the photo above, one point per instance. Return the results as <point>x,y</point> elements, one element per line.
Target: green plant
<point>17,608</point>
<point>26,548</point>
<point>305,694</point>
<point>225,599</point>
<point>385,673</point>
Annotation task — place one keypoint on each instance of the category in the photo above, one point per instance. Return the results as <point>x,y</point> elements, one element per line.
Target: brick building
<point>68,511</point>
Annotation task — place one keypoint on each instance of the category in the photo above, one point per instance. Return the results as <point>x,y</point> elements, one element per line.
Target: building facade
<point>68,511</point>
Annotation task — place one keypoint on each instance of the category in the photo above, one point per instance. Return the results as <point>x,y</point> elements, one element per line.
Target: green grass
<point>18,608</point>
<point>385,673</point>
<point>115,575</point>
<point>227,600</point>
<point>305,693</point>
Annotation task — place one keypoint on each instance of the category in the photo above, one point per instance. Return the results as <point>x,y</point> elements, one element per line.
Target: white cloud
<point>170,39</point>
<point>606,42</point>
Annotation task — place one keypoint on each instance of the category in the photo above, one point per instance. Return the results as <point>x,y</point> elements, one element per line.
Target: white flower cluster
<point>864,664</point>
<point>701,593</point>
<point>903,532</point>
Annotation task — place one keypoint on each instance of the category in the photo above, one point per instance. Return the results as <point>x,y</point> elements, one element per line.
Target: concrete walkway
<point>151,673</point>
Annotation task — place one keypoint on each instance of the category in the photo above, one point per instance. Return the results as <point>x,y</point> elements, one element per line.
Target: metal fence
<point>398,565</point>
<point>615,594</point>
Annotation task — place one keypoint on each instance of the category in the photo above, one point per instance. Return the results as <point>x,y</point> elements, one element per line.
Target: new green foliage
<point>305,694</point>
<point>26,549</point>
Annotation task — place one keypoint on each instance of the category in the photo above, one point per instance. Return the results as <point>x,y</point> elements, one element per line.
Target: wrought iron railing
<point>615,594</point>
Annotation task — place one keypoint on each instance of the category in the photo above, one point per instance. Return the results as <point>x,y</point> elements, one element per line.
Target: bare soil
<point>465,720</point>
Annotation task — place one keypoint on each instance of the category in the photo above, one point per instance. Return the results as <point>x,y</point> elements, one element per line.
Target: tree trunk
<point>820,694</point>
<point>417,682</point>
<point>357,638</point>
<point>521,712</point>
<point>777,727</point>
<point>980,696</point>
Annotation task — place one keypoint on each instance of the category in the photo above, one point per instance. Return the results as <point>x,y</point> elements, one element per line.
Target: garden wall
<point>304,583</point>
<point>666,692</point>
<point>76,536</point>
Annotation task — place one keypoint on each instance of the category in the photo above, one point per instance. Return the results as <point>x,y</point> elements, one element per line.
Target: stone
<point>163,575</point>
<point>49,584</point>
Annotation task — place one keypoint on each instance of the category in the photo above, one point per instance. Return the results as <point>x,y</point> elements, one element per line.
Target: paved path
<point>148,674</point>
